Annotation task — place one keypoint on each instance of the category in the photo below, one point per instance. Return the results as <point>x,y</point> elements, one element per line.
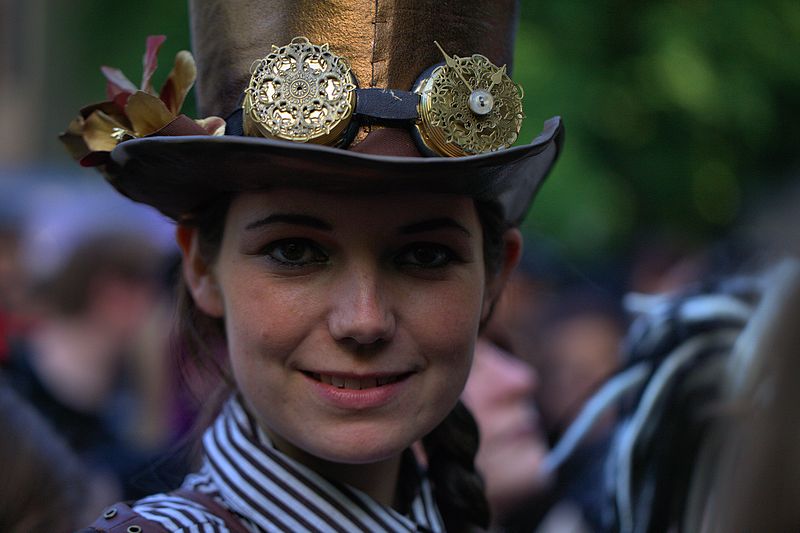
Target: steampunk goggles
<point>303,92</point>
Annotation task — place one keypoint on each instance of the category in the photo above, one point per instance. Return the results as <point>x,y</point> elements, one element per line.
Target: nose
<point>360,311</point>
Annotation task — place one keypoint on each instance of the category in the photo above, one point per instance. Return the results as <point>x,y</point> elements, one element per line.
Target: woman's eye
<point>295,252</point>
<point>425,255</point>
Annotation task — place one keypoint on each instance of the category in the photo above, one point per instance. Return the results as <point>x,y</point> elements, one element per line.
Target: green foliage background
<point>678,113</point>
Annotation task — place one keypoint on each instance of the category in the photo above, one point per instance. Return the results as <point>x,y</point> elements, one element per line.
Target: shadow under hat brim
<point>182,174</point>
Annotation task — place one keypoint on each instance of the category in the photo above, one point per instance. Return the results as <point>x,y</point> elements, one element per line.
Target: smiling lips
<point>359,392</point>
<point>356,383</point>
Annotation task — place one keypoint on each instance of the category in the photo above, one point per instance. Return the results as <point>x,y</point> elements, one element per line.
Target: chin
<point>359,445</point>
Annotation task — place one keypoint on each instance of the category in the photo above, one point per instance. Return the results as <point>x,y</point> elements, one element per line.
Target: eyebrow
<point>290,218</point>
<point>432,225</point>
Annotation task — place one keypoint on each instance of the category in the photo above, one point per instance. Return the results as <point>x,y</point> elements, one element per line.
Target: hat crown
<point>388,43</point>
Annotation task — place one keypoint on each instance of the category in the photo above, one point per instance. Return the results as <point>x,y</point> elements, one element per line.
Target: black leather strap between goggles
<point>385,107</point>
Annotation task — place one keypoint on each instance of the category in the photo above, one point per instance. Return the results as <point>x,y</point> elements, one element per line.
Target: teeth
<point>354,383</point>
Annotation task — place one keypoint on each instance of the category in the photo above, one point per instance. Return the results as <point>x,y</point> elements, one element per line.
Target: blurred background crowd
<point>681,164</point>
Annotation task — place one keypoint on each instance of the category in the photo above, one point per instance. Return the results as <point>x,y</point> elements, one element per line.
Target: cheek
<point>264,319</point>
<point>450,315</point>
<point>445,328</point>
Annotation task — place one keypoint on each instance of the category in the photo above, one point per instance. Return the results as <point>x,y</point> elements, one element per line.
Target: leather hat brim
<point>181,174</point>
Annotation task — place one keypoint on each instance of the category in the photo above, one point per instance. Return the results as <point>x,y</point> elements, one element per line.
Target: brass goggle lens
<point>469,106</point>
<point>300,92</point>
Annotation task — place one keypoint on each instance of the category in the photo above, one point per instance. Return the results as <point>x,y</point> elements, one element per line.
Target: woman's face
<point>350,319</point>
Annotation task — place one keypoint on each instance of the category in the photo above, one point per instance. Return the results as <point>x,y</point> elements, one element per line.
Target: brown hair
<point>450,447</point>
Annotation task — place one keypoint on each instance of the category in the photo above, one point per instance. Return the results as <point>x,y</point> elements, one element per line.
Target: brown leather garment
<point>121,518</point>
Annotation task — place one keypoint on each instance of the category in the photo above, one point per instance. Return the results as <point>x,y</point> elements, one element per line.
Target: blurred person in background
<point>94,361</point>
<point>533,287</point>
<point>14,308</point>
<point>578,339</point>
<point>44,487</point>
<point>565,332</point>
<point>499,392</point>
<point>702,408</point>
<point>11,271</point>
<point>11,283</point>
<point>564,325</point>
<point>760,459</point>
<point>660,264</point>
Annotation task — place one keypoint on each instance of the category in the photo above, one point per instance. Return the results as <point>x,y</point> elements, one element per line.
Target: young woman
<point>346,283</point>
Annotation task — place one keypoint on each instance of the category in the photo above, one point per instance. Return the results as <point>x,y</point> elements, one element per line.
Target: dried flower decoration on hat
<point>130,112</point>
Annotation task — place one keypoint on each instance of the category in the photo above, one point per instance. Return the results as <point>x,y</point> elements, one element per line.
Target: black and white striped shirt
<point>272,492</point>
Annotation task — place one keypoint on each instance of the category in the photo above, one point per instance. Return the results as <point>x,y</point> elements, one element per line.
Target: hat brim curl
<point>180,175</point>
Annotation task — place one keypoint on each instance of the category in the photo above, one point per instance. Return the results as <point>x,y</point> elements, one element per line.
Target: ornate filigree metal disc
<point>300,92</point>
<point>469,106</point>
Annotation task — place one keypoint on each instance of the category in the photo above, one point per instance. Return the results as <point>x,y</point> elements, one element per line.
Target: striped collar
<point>276,493</point>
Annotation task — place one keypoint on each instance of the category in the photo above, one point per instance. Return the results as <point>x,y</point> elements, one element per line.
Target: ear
<point>199,275</point>
<point>512,252</point>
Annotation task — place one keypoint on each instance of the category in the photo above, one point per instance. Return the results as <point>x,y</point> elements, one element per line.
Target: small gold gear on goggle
<point>300,92</point>
<point>303,92</point>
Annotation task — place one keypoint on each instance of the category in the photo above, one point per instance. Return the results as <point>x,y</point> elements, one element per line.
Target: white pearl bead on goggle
<point>481,102</point>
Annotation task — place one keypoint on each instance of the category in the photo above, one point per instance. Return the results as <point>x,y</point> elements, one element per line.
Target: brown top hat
<point>348,95</point>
